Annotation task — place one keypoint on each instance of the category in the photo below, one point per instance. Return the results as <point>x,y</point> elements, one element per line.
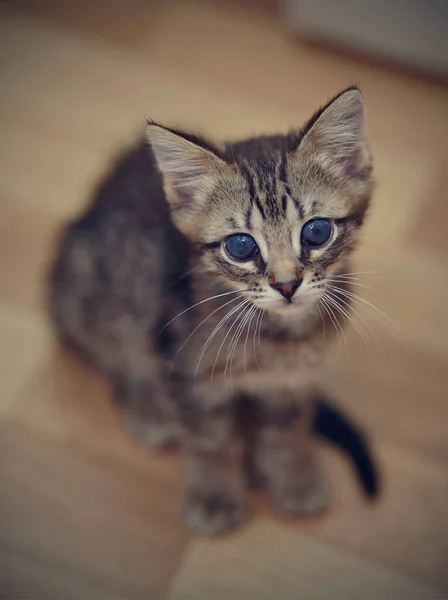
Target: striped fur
<point>153,244</point>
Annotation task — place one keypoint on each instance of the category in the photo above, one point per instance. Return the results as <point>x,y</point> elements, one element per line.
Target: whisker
<point>246,318</point>
<point>184,343</point>
<point>239,331</point>
<point>354,281</point>
<point>192,270</point>
<point>342,310</point>
<point>334,320</point>
<point>351,308</point>
<point>254,313</point>
<point>254,339</point>
<point>355,296</point>
<point>235,335</point>
<point>221,323</point>
<point>194,306</point>
<point>373,273</point>
<point>332,305</point>
<point>259,333</point>
<point>323,323</point>
<point>225,337</point>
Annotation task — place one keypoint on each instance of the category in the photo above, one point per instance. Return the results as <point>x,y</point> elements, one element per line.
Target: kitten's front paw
<point>210,513</point>
<point>152,433</point>
<point>296,500</point>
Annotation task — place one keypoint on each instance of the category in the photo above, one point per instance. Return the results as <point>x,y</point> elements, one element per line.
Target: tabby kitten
<point>198,283</point>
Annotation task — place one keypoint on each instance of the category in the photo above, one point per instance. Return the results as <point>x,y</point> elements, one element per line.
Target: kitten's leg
<point>147,408</point>
<point>214,498</point>
<point>286,458</point>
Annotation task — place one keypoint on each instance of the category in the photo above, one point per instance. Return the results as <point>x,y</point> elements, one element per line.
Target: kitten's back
<point>119,257</point>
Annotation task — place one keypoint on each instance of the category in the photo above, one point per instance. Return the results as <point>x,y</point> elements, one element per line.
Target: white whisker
<point>351,308</point>
<point>355,296</point>
<point>354,281</point>
<point>221,323</point>
<point>254,313</point>
<point>323,323</point>
<point>334,320</point>
<point>235,336</point>
<point>192,270</point>
<point>240,329</point>
<point>371,273</point>
<point>194,306</point>
<point>257,334</point>
<point>247,301</point>
<point>332,300</point>
<point>184,343</point>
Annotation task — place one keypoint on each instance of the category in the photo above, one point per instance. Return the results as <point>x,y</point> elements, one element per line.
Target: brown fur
<point>152,245</point>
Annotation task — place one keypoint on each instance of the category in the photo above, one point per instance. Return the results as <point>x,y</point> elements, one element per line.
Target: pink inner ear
<point>351,163</point>
<point>339,133</point>
<point>183,200</point>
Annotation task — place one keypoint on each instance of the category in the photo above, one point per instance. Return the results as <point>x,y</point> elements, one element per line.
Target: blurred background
<point>86,513</point>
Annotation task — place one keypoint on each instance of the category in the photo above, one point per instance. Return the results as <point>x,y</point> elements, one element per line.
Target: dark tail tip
<point>332,425</point>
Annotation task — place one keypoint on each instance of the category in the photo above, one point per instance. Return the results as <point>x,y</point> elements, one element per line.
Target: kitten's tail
<point>332,425</point>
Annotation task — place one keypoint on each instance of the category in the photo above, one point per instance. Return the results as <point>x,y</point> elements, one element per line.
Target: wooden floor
<point>86,513</point>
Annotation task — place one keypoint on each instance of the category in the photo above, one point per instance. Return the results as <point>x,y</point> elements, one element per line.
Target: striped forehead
<point>271,200</point>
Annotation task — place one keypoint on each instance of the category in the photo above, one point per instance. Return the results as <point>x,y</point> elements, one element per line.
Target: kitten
<point>197,282</point>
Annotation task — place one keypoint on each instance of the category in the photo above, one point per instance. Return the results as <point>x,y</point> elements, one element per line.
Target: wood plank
<point>109,520</point>
<point>25,345</point>
<point>407,529</point>
<point>397,392</point>
<point>27,577</point>
<point>269,560</point>
<point>83,509</point>
<point>73,403</point>
<point>30,238</point>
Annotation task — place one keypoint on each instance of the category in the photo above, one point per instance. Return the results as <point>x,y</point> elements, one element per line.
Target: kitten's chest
<point>243,353</point>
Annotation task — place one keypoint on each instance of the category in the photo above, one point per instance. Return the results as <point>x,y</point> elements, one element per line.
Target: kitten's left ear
<point>189,170</point>
<point>336,135</point>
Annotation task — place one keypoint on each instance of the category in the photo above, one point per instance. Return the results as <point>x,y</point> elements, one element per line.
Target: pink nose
<point>287,288</point>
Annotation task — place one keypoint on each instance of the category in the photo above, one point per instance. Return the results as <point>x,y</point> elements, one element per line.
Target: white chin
<point>284,308</point>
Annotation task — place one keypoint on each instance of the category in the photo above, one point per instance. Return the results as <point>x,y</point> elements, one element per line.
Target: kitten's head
<point>275,216</point>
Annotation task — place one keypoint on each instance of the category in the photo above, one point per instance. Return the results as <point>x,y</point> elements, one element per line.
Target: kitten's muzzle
<point>287,288</point>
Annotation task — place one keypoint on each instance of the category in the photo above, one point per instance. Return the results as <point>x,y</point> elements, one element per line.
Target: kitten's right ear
<point>189,171</point>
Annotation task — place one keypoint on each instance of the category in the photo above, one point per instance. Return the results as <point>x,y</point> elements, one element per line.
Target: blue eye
<point>241,246</point>
<point>316,232</point>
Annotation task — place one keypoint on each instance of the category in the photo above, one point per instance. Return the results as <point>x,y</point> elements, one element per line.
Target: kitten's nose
<point>287,288</point>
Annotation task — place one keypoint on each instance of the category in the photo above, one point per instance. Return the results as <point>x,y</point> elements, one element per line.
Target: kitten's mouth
<point>282,305</point>
<point>290,305</point>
